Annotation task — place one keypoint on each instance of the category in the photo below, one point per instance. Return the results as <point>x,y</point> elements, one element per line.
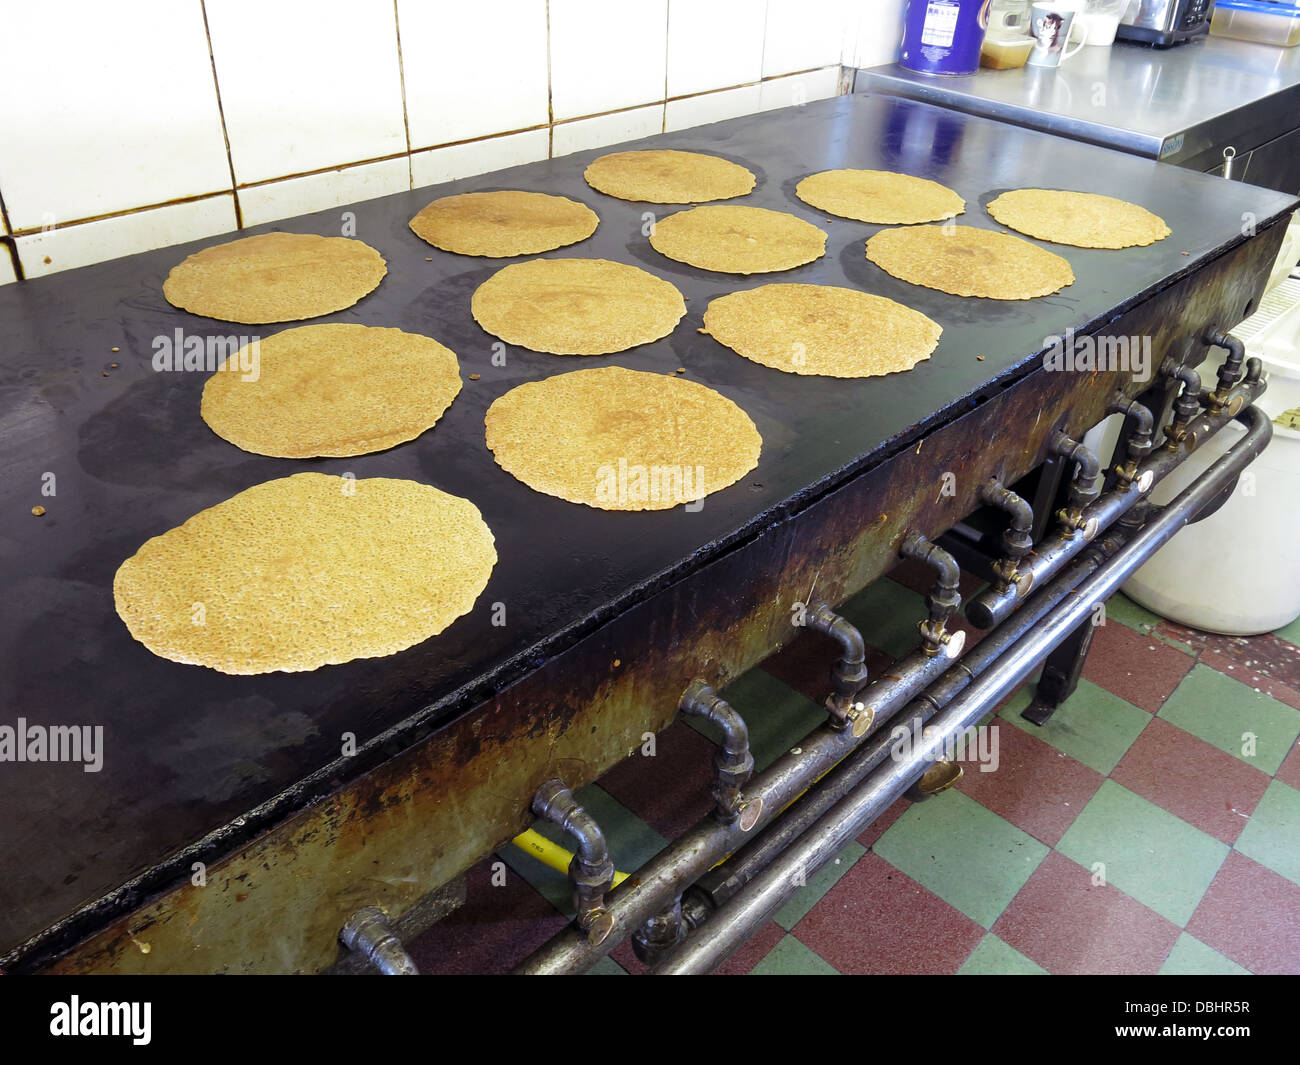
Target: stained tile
<point>800,88</point>
<point>1067,924</point>
<point>994,958</point>
<point>1234,718</point>
<point>669,791</point>
<point>802,34</point>
<point>1121,608</point>
<point>1139,669</point>
<point>498,926</point>
<point>111,238</point>
<point>1092,725</point>
<point>1290,633</point>
<point>1191,957</point>
<point>964,853</point>
<point>295,196</point>
<point>1192,780</point>
<point>301,94</point>
<point>818,884</point>
<point>714,44</point>
<point>569,137</point>
<point>1136,844</point>
<point>1243,666</point>
<point>877,920</point>
<point>506,80</point>
<point>1272,835</point>
<point>478,157</point>
<point>107,107</point>
<point>710,107</point>
<point>1249,915</point>
<point>791,958</point>
<point>1035,787</point>
<point>606,56</point>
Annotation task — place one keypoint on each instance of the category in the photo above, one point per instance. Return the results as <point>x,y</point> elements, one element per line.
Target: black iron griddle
<point>189,750</point>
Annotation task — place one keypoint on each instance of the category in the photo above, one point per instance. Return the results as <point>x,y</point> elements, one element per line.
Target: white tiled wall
<point>125,127</point>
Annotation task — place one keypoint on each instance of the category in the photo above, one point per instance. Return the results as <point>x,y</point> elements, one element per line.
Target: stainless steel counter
<point>1182,105</point>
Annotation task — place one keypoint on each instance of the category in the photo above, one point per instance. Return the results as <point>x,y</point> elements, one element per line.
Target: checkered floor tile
<point>1151,826</point>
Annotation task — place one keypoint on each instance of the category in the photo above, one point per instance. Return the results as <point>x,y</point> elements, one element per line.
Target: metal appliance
<point>313,859</point>
<point>1165,22</point>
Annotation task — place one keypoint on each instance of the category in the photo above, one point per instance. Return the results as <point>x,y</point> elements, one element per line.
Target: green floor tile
<point>631,843</point>
<point>995,958</point>
<point>777,716</point>
<point>1220,710</point>
<point>791,958</point>
<point>1148,853</point>
<point>607,966</point>
<point>1290,633</point>
<point>1121,608</point>
<point>1191,957</point>
<point>1272,835</point>
<point>886,614</point>
<point>966,854</point>
<point>821,882</point>
<point>1092,725</point>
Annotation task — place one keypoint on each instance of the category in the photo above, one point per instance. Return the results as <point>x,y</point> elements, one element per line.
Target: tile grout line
<point>221,114</point>
<point>406,121</point>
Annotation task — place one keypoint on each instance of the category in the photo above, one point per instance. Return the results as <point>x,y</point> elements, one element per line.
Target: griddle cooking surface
<point>187,749</point>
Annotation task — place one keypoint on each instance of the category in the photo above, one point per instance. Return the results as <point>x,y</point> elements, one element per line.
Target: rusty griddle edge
<point>1230,284</point>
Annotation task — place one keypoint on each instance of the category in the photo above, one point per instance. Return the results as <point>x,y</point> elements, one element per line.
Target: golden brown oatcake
<point>822,330</point>
<point>307,571</point>
<point>330,390</point>
<point>500,224</point>
<point>663,175</point>
<point>1082,219</point>
<point>619,439</point>
<point>879,196</point>
<point>275,277</point>
<point>576,306</point>
<point>738,240</point>
<point>966,261</point>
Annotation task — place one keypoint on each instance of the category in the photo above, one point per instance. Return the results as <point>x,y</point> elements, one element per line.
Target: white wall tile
<point>607,129</point>
<point>472,69</point>
<point>478,157</point>
<point>880,30</point>
<point>800,88</point>
<point>316,192</point>
<point>105,107</point>
<point>802,34</point>
<point>712,107</point>
<point>714,44</point>
<point>111,238</point>
<point>6,266</point>
<point>305,86</point>
<point>606,55</point>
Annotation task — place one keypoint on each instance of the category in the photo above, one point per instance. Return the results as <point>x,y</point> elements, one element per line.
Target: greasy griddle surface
<point>187,750</point>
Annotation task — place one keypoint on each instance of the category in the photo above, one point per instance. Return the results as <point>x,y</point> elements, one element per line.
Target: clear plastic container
<point>1257,20</point>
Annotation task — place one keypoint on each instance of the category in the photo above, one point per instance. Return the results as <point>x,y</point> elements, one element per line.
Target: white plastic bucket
<point>1238,571</point>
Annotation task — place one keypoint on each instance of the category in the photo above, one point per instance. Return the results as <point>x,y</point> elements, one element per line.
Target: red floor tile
<point>669,792</point>
<point>875,920</point>
<point>1135,666</point>
<point>1035,787</point>
<point>496,928</point>
<point>1251,915</point>
<point>1060,920</point>
<point>1289,771</point>
<point>1192,780</point>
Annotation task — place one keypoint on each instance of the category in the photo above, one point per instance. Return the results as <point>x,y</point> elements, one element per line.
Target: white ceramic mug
<point>1051,23</point>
